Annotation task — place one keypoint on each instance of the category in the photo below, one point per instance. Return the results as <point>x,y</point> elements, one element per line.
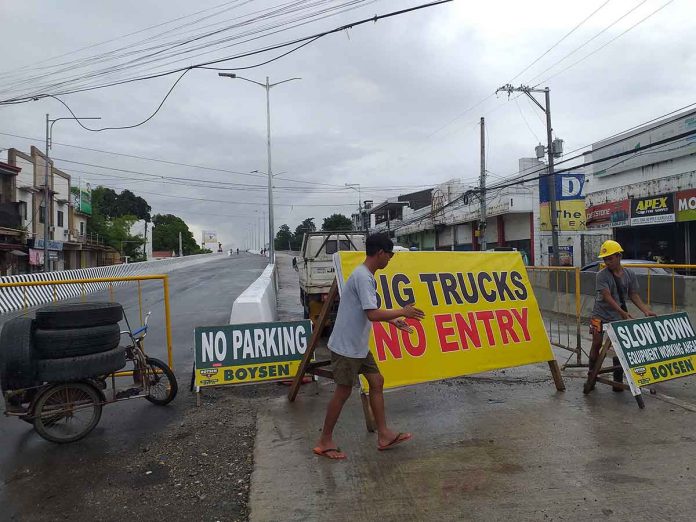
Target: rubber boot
<point>618,374</point>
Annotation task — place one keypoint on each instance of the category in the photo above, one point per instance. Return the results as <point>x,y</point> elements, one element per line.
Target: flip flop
<point>326,452</point>
<point>401,437</point>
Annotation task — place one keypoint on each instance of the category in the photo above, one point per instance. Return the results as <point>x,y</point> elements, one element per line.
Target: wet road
<point>199,295</point>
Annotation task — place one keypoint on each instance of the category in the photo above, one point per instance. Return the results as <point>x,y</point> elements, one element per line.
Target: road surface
<point>199,295</point>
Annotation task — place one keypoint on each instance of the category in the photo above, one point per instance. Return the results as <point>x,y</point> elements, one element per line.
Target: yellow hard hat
<point>609,247</point>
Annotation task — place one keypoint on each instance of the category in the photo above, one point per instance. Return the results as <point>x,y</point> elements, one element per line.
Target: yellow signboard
<point>571,215</point>
<point>480,315</point>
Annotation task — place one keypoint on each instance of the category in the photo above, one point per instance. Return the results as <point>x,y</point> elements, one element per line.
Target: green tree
<point>336,222</point>
<point>165,235</point>
<point>104,202</point>
<point>283,239</point>
<point>128,203</point>
<point>306,226</point>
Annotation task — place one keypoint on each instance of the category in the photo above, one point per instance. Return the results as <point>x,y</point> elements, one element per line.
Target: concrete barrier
<point>257,304</point>
<point>12,299</point>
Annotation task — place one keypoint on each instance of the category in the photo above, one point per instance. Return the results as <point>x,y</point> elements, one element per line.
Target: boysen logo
<point>652,204</point>
<point>640,370</point>
<point>208,372</point>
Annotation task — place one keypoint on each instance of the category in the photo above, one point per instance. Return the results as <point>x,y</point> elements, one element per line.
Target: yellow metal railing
<point>563,320</point>
<point>110,280</point>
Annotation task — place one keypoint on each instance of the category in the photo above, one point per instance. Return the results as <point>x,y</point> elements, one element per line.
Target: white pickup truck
<point>315,265</point>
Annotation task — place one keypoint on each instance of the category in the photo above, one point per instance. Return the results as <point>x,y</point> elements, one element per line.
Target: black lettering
<point>517,282</point>
<point>403,294</point>
<point>449,288</point>
<point>263,372</point>
<point>272,371</point>
<point>385,290</point>
<point>488,296</point>
<point>240,374</point>
<point>689,365</point>
<point>229,375</point>
<point>283,369</point>
<point>252,371</point>
<point>500,279</point>
<point>682,367</point>
<point>654,373</point>
<point>469,297</point>
<point>429,279</point>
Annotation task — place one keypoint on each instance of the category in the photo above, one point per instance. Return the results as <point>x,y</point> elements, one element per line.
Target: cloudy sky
<point>393,106</point>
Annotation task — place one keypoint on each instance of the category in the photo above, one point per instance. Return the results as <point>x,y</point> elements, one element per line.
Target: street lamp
<point>360,217</point>
<point>267,86</point>
<point>49,137</point>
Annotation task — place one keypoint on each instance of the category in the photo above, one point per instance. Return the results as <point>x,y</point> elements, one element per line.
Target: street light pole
<point>267,86</point>
<point>360,216</point>
<point>47,212</point>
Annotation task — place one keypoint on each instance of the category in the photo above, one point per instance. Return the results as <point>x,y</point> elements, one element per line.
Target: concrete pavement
<point>499,446</point>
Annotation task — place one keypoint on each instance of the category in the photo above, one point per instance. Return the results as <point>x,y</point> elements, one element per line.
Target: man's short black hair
<point>377,242</point>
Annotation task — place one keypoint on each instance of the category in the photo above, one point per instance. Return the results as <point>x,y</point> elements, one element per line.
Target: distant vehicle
<point>595,266</point>
<point>315,265</point>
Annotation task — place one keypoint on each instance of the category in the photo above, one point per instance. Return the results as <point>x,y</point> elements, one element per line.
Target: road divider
<point>20,297</point>
<point>258,302</point>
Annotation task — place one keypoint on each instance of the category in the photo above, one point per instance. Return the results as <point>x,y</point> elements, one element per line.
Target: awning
<point>18,253</point>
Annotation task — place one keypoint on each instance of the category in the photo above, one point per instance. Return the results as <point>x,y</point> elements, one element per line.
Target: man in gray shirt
<point>349,346</point>
<point>612,285</point>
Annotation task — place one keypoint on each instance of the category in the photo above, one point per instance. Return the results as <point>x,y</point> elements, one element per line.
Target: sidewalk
<point>498,446</point>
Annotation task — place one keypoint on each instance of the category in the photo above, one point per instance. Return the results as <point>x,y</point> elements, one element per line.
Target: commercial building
<point>647,200</point>
<point>69,208</point>
<point>13,251</point>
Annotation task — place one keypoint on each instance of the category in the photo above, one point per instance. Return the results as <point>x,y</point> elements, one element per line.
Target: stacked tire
<point>65,342</point>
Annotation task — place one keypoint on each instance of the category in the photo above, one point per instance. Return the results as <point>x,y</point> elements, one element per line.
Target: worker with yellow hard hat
<point>613,285</point>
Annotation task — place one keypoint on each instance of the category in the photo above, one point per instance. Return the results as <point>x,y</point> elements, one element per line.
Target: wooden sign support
<point>318,367</point>
<point>593,376</point>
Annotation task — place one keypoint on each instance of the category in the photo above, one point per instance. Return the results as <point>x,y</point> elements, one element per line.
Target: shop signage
<point>615,214</point>
<point>82,198</point>
<point>52,245</point>
<point>249,353</point>
<point>686,205</point>
<point>570,202</point>
<point>652,210</point>
<point>654,349</point>
<point>480,314</point>
<point>565,254</point>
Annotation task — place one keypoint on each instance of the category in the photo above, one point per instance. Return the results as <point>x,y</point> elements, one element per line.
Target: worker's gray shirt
<point>605,280</point>
<point>351,331</point>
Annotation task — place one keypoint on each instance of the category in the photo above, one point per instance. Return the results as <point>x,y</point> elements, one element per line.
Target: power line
<point>558,42</point>
<point>238,56</point>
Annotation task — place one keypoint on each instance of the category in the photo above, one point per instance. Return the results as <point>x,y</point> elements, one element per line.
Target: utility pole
<point>482,188</point>
<point>550,176</point>
<point>181,250</point>
<point>145,244</point>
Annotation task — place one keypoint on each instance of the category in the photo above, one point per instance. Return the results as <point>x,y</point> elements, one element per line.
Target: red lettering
<point>506,324</point>
<point>468,331</point>
<point>444,331</point>
<point>389,340</point>
<point>487,316</point>
<point>415,350</point>
<point>521,317</point>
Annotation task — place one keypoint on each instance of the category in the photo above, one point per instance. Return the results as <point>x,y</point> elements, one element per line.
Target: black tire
<point>163,385</point>
<point>74,342</point>
<point>17,364</point>
<point>78,315</point>
<point>83,367</point>
<point>67,412</point>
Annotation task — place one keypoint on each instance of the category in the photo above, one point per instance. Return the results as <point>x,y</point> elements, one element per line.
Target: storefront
<point>656,228</point>
<point>55,255</point>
